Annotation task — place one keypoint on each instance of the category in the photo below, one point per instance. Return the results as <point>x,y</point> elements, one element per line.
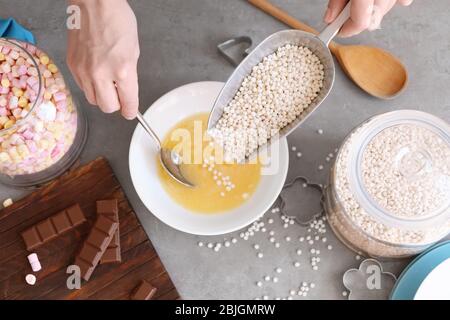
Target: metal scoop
<point>170,160</point>
<point>317,44</point>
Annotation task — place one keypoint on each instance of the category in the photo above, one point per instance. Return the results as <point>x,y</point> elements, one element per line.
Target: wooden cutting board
<point>85,185</point>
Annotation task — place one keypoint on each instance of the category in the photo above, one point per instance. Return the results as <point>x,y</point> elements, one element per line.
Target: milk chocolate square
<point>108,207</point>
<point>46,230</point>
<point>61,222</point>
<point>31,238</point>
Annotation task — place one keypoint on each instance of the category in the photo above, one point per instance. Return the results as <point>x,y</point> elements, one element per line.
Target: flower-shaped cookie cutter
<point>301,189</point>
<point>235,49</point>
<point>369,281</point>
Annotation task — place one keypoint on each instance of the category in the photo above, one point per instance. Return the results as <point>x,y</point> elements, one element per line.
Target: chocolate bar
<point>111,210</point>
<point>145,291</point>
<point>52,227</point>
<point>95,245</point>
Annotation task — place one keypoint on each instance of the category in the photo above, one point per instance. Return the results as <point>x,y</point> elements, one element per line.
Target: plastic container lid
<point>411,160</point>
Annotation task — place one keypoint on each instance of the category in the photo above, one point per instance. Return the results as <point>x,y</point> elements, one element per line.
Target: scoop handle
<point>333,28</point>
<point>287,19</point>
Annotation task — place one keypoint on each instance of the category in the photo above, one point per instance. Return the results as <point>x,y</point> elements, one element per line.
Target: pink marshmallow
<point>4,90</point>
<point>32,81</point>
<point>23,70</point>
<point>31,146</point>
<point>59,96</point>
<point>6,50</point>
<point>28,135</point>
<point>61,105</point>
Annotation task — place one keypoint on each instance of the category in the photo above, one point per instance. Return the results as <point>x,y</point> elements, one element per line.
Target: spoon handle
<point>149,130</point>
<point>287,19</point>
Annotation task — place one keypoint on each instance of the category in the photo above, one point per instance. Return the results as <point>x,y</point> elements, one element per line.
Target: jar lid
<point>400,169</point>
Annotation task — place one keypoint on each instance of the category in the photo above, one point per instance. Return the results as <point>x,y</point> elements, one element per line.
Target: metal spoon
<point>170,160</point>
<point>317,44</point>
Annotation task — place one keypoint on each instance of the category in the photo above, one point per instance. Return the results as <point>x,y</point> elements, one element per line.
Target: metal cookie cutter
<point>369,281</point>
<point>235,49</point>
<point>309,193</point>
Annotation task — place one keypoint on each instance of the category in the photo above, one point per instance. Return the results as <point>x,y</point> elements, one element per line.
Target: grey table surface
<point>178,41</point>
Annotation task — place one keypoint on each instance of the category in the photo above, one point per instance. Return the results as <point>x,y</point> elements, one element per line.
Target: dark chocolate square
<point>107,207</point>
<point>46,230</point>
<point>31,238</point>
<point>75,214</point>
<point>61,222</point>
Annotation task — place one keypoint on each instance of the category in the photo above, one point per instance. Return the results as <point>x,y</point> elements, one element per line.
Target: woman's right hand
<point>365,14</point>
<point>103,54</point>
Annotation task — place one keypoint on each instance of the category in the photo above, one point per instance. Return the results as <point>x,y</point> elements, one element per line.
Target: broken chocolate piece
<point>111,255</point>
<point>145,291</point>
<point>95,246</point>
<point>52,227</point>
<point>110,209</point>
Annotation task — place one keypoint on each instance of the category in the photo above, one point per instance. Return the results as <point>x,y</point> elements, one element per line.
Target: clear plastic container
<point>42,131</point>
<point>389,189</point>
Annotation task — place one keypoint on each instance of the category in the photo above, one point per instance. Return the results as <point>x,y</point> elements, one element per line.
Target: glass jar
<point>389,189</point>
<point>42,131</point>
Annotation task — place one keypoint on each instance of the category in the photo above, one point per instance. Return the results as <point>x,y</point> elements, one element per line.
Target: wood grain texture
<point>85,185</point>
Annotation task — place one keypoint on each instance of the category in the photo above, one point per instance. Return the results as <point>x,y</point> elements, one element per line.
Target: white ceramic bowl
<point>164,114</point>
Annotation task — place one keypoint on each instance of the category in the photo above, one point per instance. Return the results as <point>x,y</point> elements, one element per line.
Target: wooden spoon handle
<point>287,19</point>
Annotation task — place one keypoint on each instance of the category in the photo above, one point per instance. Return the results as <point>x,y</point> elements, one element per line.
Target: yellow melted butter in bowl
<point>222,187</point>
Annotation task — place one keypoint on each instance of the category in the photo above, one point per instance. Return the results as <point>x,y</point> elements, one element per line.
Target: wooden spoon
<point>374,70</point>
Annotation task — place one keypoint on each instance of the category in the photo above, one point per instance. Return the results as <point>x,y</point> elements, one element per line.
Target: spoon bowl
<point>169,159</point>
<point>374,70</point>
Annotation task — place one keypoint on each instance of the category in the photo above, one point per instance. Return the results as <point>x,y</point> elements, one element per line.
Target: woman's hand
<point>365,14</point>
<point>102,55</point>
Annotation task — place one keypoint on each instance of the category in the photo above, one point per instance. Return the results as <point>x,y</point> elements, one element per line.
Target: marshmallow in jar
<point>389,190</point>
<point>39,122</point>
